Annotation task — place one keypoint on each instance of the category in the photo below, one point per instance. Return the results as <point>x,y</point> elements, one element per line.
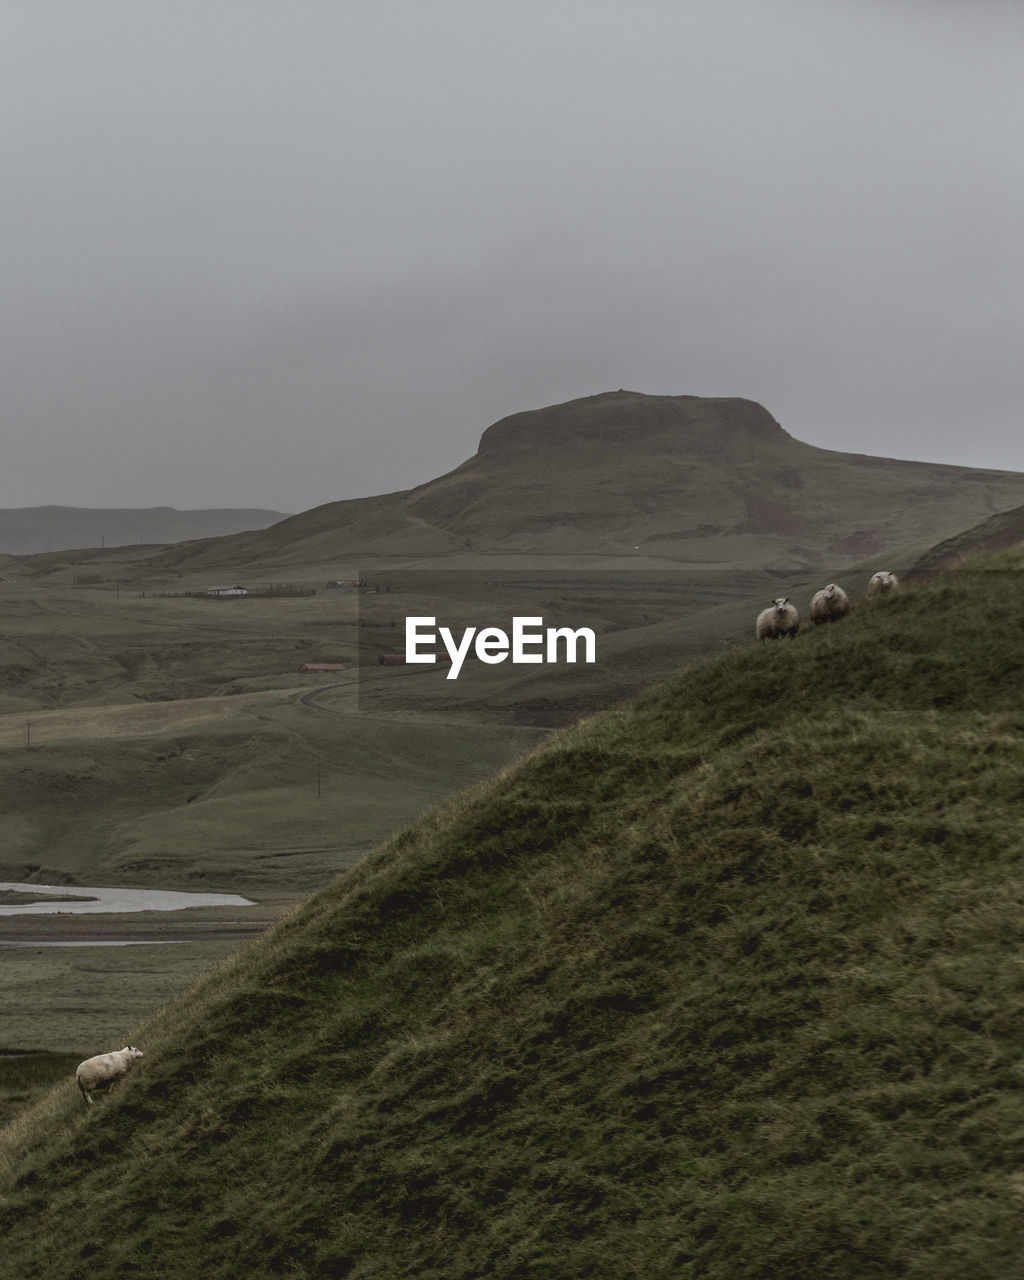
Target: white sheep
<point>883,583</point>
<point>829,604</point>
<point>779,619</point>
<point>105,1069</point>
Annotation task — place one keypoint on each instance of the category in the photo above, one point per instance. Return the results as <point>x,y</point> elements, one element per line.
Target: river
<point>109,900</point>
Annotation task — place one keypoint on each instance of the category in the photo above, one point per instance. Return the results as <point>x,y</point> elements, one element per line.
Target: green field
<point>163,742</point>
<point>723,982</point>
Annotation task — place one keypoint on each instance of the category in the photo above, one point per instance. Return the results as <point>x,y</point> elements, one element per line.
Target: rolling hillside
<point>721,983</point>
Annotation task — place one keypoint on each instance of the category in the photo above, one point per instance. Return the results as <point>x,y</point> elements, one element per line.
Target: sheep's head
<point>132,1052</point>
<point>883,580</point>
<point>781,604</point>
<point>829,591</point>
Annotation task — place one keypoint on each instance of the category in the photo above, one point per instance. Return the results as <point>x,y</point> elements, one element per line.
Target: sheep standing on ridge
<point>779,619</point>
<point>105,1069</point>
<point>883,583</point>
<point>829,604</point>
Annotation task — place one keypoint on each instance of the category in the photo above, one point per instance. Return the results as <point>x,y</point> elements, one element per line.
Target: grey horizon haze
<point>270,255</point>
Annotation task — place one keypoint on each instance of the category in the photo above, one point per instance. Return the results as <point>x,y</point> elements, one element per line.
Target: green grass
<point>24,1073</point>
<point>999,561</point>
<point>723,983</point>
<point>61,646</point>
<point>70,999</point>
<point>269,797</point>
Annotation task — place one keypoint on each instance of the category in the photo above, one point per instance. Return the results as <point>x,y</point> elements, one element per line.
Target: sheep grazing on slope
<point>829,604</point>
<point>883,583</point>
<point>779,619</point>
<point>105,1069</point>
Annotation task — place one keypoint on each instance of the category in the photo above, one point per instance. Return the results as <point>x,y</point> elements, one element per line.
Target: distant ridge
<point>700,482</point>
<point>997,533</point>
<point>30,530</point>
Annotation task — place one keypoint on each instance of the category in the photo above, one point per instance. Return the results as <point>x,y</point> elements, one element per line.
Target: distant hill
<point>724,982</point>
<point>704,482</point>
<point>30,530</point>
<point>997,533</point>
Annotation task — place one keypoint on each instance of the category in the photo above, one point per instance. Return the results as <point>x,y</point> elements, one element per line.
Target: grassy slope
<point>152,760</point>
<point>268,795</point>
<point>20,1074</point>
<point>722,983</point>
<point>1001,532</point>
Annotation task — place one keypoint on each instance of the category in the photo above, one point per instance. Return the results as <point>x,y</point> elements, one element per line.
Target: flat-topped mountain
<point>679,480</point>
<point>702,480</point>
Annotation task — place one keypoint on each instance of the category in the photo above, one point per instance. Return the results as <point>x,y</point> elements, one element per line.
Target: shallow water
<point>111,900</point>
<point>104,942</point>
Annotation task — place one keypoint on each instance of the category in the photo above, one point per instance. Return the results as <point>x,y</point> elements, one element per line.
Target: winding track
<point>309,699</point>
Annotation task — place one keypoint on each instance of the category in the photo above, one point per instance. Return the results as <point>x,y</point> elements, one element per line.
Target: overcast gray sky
<point>270,253</point>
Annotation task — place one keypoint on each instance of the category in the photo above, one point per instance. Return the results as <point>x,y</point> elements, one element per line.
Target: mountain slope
<point>703,481</point>
<point>721,983</point>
